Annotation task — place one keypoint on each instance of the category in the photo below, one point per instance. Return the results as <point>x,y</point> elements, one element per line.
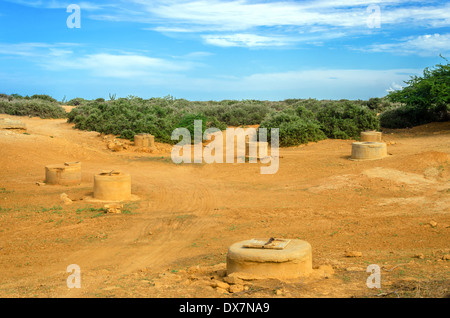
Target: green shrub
<point>427,96</point>
<point>32,107</point>
<point>378,105</point>
<point>346,120</point>
<point>312,120</point>
<point>310,104</point>
<point>235,113</point>
<point>126,118</point>
<point>76,101</point>
<point>188,121</point>
<point>44,97</point>
<point>291,101</point>
<point>305,113</point>
<point>299,121</point>
<point>16,96</point>
<point>407,117</point>
<point>293,129</point>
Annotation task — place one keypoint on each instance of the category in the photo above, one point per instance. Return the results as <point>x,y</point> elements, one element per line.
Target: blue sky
<point>215,50</point>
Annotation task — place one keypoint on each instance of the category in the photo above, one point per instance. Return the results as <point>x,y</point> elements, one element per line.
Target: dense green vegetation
<point>425,99</point>
<point>42,106</point>
<point>299,121</point>
<point>313,120</point>
<point>127,117</point>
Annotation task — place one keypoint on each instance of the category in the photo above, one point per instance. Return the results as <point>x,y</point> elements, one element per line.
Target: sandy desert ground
<point>173,241</point>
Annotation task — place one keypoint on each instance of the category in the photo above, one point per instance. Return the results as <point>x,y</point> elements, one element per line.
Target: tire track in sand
<point>177,212</point>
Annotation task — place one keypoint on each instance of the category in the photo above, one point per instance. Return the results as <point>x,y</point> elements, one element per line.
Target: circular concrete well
<point>368,150</point>
<point>292,260</point>
<point>262,149</point>
<point>373,136</point>
<point>144,140</point>
<point>112,186</point>
<point>67,174</point>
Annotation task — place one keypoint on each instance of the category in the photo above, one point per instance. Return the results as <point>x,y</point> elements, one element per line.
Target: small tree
<point>427,93</point>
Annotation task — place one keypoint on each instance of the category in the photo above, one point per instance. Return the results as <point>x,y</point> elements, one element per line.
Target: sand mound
<point>431,157</point>
<point>433,164</point>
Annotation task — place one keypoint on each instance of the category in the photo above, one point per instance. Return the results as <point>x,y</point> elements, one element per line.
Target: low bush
<point>293,128</point>
<point>346,120</point>
<point>76,101</point>
<point>407,117</point>
<point>126,117</point>
<point>44,97</point>
<point>378,105</point>
<point>235,113</point>
<point>299,120</point>
<point>312,120</point>
<point>425,99</point>
<point>36,107</point>
<point>188,121</point>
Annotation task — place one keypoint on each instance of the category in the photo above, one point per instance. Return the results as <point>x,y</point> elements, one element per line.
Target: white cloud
<point>170,29</point>
<point>54,4</point>
<point>424,45</point>
<point>394,86</point>
<point>64,57</point>
<point>251,40</point>
<point>240,15</point>
<point>118,66</point>
<point>428,16</point>
<point>36,50</point>
<point>246,22</point>
<point>246,40</point>
<point>252,23</point>
<point>197,55</point>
